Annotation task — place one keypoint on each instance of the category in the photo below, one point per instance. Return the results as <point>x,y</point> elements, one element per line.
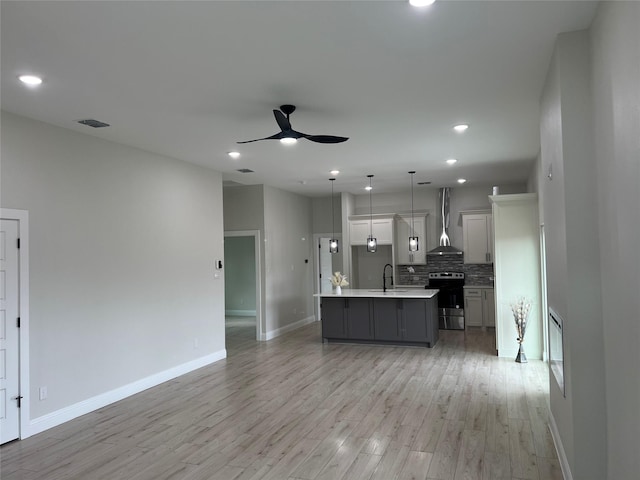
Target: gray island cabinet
<point>400,317</point>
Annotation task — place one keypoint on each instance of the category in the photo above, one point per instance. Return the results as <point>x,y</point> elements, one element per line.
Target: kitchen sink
<point>388,290</point>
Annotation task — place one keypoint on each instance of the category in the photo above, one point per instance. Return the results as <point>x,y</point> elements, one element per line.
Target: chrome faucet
<point>384,277</point>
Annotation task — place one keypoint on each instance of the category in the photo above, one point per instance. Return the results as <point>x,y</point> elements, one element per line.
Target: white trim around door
<point>22,216</point>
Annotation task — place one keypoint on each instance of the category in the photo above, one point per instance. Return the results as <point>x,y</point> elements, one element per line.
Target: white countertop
<point>378,293</point>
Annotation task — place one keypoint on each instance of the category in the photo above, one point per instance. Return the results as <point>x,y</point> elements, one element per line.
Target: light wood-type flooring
<point>295,408</point>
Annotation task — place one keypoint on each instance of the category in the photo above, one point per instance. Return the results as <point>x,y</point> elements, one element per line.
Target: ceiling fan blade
<point>283,122</point>
<point>326,138</point>
<point>277,136</point>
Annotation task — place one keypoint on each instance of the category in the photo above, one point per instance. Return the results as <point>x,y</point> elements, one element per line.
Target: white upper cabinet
<point>358,231</point>
<point>361,226</point>
<point>403,232</point>
<point>477,232</point>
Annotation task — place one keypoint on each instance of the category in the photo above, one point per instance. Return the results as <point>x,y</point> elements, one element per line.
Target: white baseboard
<point>288,328</point>
<point>53,419</point>
<point>240,313</point>
<point>562,456</point>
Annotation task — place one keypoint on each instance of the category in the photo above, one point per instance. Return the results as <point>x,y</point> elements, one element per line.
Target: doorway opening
<point>242,280</point>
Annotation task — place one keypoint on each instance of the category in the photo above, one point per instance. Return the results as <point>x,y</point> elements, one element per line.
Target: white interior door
<point>325,266</point>
<point>9,332</point>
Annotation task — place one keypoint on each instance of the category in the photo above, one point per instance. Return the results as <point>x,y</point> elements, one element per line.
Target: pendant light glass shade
<point>333,242</point>
<point>372,243</point>
<point>413,240</point>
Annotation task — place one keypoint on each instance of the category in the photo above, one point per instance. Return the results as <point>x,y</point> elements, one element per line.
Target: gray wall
<point>590,119</point>
<point>122,248</point>
<point>573,273</point>
<point>244,208</point>
<point>321,212</point>
<point>288,258</point>
<point>615,47</point>
<point>284,220</point>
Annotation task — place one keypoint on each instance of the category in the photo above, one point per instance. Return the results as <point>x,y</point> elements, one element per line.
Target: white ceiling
<point>189,79</point>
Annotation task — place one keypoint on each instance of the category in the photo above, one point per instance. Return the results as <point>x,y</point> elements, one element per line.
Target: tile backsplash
<point>475,274</point>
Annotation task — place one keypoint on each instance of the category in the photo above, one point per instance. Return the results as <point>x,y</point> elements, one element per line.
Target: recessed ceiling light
<point>334,172</point>
<point>288,140</point>
<point>234,154</point>
<point>421,3</point>
<point>451,161</point>
<point>30,80</point>
<point>368,187</point>
<point>461,180</point>
<point>461,127</point>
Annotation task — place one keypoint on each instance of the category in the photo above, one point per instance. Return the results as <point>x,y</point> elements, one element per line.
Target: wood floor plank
<point>296,408</point>
<point>496,466</point>
<point>363,467</point>
<point>339,464</point>
<point>524,462</point>
<point>415,466</point>
<point>445,458</point>
<point>471,457</point>
<point>391,463</point>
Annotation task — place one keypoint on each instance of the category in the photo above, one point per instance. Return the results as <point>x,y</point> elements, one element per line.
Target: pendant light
<point>372,243</point>
<point>333,243</point>
<point>413,241</point>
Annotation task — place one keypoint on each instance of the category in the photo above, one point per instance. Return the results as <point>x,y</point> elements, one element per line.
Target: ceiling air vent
<point>93,123</point>
<point>245,170</point>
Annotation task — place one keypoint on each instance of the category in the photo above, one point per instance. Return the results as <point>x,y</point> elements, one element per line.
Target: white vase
<point>338,290</point>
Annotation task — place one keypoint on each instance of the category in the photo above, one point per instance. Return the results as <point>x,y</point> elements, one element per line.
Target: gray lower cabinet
<point>347,318</point>
<point>479,307</point>
<point>333,318</point>
<point>387,319</point>
<point>358,318</point>
<point>380,320</point>
<point>415,320</point>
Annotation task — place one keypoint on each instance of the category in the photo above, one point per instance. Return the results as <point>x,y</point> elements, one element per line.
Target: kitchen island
<point>397,316</point>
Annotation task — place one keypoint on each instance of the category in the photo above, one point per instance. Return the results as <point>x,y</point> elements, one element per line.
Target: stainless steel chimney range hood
<point>445,247</point>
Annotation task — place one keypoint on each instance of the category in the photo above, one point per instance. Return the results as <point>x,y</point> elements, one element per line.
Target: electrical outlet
<point>195,343</point>
<point>42,393</point>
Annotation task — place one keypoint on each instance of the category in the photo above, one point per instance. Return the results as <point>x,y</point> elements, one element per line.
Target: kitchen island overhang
<point>395,317</point>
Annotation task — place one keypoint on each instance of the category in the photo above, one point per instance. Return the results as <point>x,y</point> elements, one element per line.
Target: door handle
<point>18,399</point>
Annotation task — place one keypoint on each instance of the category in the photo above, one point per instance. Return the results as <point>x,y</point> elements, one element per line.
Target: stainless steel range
<point>450,298</point>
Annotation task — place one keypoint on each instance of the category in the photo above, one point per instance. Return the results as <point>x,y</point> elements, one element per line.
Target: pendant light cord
<point>333,219</point>
<point>370,209</point>
<point>413,232</point>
